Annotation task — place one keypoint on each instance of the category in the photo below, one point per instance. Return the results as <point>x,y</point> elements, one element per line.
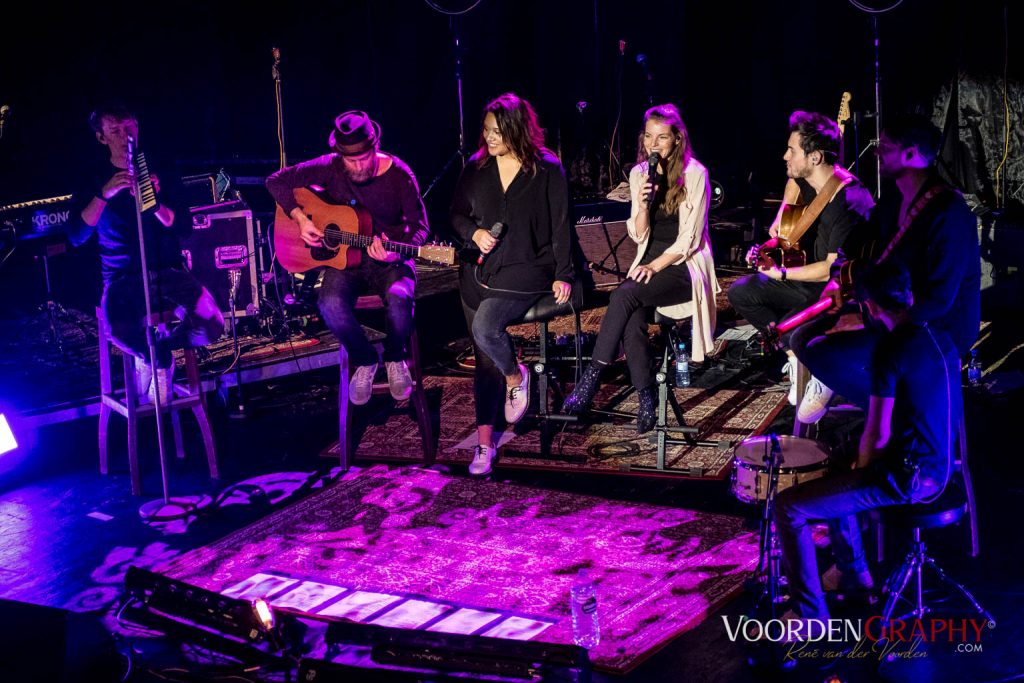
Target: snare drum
<point>802,460</point>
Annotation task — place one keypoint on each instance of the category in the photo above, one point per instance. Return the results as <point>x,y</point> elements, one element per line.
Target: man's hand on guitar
<point>377,251</point>
<point>311,235</point>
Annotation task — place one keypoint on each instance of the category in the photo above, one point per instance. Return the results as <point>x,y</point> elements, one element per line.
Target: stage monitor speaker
<point>52,645</point>
<point>221,242</point>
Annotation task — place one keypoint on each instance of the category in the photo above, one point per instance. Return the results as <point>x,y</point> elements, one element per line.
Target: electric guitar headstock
<point>844,112</point>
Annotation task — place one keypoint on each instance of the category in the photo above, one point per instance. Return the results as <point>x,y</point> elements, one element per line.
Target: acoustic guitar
<point>786,253</point>
<point>348,230</point>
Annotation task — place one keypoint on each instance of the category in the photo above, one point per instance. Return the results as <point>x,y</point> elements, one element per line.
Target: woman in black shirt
<point>673,271</point>
<point>512,201</point>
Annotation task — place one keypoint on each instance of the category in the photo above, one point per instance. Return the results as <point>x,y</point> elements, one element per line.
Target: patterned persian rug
<point>407,537</point>
<point>724,415</point>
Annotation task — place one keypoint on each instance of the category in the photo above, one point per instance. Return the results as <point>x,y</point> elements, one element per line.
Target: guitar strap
<point>836,182</point>
<point>916,209</point>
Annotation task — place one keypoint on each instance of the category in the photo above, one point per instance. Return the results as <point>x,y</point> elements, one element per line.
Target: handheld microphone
<point>652,175</point>
<point>495,232</point>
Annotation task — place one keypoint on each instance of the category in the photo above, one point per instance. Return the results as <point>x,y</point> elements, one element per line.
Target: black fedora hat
<point>354,133</point>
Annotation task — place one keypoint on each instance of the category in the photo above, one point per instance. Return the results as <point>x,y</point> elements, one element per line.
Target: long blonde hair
<point>675,165</point>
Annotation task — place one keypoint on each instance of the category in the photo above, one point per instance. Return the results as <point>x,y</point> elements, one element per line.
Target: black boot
<point>582,394</point>
<point>646,412</point>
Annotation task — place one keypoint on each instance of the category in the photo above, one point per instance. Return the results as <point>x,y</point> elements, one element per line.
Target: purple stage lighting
<point>7,440</point>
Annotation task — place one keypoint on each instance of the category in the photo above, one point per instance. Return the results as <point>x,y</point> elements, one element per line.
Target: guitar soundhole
<point>331,233</point>
<point>322,253</point>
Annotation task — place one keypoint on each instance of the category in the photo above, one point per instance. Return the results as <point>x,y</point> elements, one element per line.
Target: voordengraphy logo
<point>859,638</point>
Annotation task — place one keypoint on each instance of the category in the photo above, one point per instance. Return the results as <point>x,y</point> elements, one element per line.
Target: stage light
<point>7,441</point>
<point>243,629</point>
<point>264,613</point>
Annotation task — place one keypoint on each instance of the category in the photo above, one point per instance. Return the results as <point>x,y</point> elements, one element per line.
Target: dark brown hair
<point>519,128</point>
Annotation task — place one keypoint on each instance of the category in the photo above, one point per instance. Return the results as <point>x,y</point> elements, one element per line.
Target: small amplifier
<point>220,252</point>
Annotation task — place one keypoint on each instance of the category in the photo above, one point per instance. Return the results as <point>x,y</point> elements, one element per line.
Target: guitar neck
<point>364,241</point>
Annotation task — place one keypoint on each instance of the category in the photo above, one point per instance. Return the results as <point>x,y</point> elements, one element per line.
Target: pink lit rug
<point>419,549</point>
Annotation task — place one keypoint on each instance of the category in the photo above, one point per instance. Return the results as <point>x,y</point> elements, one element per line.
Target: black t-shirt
<point>117,230</point>
<point>844,215</point>
<point>920,369</point>
<point>664,228</point>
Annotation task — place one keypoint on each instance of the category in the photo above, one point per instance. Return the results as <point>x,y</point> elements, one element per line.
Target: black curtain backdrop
<point>199,75</point>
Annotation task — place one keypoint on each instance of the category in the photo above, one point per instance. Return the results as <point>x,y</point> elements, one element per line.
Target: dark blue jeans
<point>495,357</point>
<point>394,283</point>
<point>842,361</point>
<point>836,498</point>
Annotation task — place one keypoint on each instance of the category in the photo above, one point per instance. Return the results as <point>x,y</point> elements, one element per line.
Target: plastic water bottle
<point>682,365</point>
<point>586,630</point>
<point>974,369</point>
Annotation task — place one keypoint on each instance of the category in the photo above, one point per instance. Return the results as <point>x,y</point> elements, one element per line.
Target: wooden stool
<point>418,398</point>
<point>126,402</point>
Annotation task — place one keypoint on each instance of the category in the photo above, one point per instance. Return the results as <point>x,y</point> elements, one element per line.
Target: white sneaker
<point>517,400</point>
<point>143,377</point>
<point>399,379</point>
<point>165,378</point>
<point>815,402</point>
<point>483,456</point>
<point>790,369</point>
<point>360,387</point>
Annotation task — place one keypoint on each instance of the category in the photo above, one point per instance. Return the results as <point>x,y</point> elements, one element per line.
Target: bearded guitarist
<point>356,171</point>
<point>836,205</point>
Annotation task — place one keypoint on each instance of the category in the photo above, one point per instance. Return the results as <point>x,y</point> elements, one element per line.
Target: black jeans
<point>495,357</point>
<point>394,283</point>
<point>171,289</point>
<point>626,320</point>
<point>762,300</point>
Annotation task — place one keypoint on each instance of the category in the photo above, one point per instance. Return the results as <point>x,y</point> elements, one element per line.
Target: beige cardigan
<point>694,248</point>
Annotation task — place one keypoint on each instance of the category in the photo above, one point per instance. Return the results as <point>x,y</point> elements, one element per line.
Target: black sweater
<point>535,246</point>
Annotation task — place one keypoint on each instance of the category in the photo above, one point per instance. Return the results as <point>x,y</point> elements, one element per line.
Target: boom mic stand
<point>460,153</point>
<point>154,510</point>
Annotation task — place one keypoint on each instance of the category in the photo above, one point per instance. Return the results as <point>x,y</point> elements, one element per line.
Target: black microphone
<point>652,175</point>
<point>495,232</point>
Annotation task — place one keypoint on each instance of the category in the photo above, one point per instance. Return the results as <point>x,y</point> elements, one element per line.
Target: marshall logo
<point>590,220</point>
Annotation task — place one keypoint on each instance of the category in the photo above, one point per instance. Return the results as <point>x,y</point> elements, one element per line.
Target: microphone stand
<point>275,72</point>
<point>234,278</point>
<point>154,510</point>
<point>460,152</point>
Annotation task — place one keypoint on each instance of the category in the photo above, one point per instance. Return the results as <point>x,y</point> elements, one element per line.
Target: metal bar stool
<point>955,503</point>
<point>666,399</point>
<point>127,403</point>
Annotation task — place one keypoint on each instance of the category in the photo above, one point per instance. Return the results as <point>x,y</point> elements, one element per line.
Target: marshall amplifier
<point>220,253</point>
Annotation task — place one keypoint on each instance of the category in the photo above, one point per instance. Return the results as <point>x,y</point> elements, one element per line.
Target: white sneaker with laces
<point>790,369</point>
<point>483,457</point>
<point>518,398</point>
<point>360,387</point>
<point>815,402</point>
<point>399,379</point>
